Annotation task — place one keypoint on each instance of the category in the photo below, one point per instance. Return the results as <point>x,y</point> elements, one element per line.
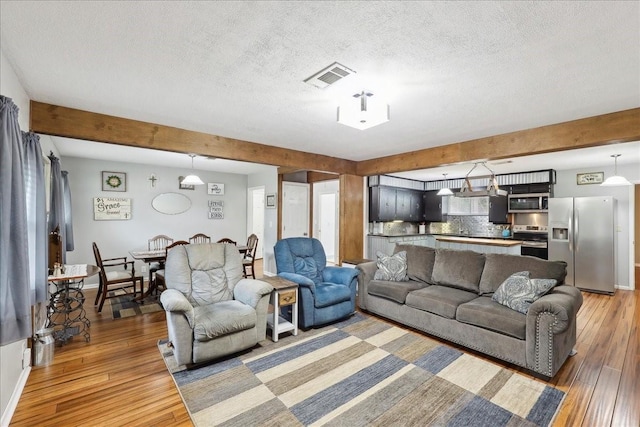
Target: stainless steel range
<point>534,239</point>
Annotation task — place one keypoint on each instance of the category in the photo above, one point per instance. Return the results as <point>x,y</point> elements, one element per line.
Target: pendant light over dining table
<point>192,179</point>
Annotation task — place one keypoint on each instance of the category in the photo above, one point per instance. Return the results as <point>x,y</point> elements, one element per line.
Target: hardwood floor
<point>119,378</point>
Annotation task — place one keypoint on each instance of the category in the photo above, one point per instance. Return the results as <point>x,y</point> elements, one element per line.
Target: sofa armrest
<point>251,291</point>
<point>340,275</point>
<point>175,302</point>
<point>366,272</point>
<point>551,329</point>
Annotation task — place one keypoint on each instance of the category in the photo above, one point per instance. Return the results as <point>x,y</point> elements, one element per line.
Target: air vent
<point>329,75</point>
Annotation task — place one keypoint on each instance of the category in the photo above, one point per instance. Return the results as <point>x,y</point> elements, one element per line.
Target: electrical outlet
<point>144,268</point>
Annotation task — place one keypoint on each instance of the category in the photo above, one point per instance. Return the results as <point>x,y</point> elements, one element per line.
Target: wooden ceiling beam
<point>613,128</point>
<point>78,124</point>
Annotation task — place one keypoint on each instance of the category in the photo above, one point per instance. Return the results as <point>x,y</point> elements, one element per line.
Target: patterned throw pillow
<point>518,292</point>
<point>392,267</point>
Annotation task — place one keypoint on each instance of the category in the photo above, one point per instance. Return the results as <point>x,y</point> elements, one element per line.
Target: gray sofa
<point>448,295</point>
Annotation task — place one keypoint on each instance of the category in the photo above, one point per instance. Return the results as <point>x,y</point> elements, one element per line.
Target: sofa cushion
<point>391,267</point>
<point>458,269</point>
<point>488,314</point>
<point>498,267</point>
<point>518,291</point>
<point>395,291</point>
<point>440,300</point>
<point>222,318</point>
<point>331,293</point>
<point>420,260</point>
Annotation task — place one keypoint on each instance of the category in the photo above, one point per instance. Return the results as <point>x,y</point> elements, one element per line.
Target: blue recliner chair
<point>326,294</point>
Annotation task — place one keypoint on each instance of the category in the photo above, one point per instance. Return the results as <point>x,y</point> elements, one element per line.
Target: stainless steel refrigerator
<point>581,233</point>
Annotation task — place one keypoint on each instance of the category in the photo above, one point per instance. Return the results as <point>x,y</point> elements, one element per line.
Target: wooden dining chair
<point>228,241</point>
<point>119,276</point>
<point>248,263</point>
<point>199,238</point>
<point>159,277</point>
<point>157,243</point>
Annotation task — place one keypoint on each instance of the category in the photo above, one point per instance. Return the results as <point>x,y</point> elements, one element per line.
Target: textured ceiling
<point>450,71</point>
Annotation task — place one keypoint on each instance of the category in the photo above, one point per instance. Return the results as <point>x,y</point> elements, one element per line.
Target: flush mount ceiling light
<point>615,180</point>
<point>192,179</point>
<point>445,191</point>
<point>365,113</point>
<point>492,188</point>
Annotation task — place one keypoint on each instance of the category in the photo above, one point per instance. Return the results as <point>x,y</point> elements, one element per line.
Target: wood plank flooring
<point>119,378</point>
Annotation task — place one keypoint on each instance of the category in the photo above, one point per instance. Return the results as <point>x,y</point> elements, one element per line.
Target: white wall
<point>12,376</point>
<point>566,186</point>
<point>117,238</point>
<point>326,187</point>
<point>270,182</point>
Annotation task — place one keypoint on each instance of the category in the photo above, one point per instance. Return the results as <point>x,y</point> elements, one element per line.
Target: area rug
<point>360,372</point>
<point>123,305</point>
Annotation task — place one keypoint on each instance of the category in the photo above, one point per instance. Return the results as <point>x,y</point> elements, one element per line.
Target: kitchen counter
<point>479,241</point>
<point>425,235</point>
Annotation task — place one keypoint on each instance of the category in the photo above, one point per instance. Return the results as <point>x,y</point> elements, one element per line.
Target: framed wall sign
<point>216,209</point>
<point>215,189</point>
<point>271,200</point>
<point>114,181</point>
<point>111,208</point>
<point>590,178</point>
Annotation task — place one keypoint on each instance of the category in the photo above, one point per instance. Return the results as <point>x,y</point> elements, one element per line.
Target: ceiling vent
<point>329,75</point>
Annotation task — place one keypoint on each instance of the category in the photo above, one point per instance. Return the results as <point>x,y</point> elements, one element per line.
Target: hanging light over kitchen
<point>445,191</point>
<point>615,180</point>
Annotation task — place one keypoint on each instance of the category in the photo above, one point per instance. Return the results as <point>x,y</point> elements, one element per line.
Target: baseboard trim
<point>15,397</point>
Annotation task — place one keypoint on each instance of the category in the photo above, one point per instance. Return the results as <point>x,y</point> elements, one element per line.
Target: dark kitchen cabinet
<point>382,203</point>
<point>432,206</point>
<point>389,204</point>
<point>498,210</point>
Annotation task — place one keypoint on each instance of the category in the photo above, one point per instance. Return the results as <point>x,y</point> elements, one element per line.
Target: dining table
<point>160,256</point>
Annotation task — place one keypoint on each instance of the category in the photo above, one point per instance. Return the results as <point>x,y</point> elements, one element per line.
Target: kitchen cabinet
<point>382,203</point>
<point>498,210</point>
<point>432,206</point>
<point>389,204</point>
<point>467,205</point>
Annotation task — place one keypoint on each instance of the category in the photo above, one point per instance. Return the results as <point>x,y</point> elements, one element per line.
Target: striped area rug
<point>360,372</point>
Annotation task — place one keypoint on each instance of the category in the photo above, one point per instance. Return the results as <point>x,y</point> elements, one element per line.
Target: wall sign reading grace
<point>216,209</point>
<point>111,208</point>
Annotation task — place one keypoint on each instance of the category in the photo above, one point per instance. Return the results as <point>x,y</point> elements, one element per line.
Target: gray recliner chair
<point>211,310</point>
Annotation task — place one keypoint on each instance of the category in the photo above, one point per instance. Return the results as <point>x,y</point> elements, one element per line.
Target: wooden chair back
<point>124,279</point>
<point>199,238</point>
<point>248,264</point>
<point>252,245</point>
<point>227,241</point>
<point>159,242</point>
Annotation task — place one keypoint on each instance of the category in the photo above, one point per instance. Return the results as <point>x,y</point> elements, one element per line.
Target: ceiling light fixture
<point>492,189</point>
<point>366,113</point>
<point>615,180</point>
<point>445,191</point>
<point>192,179</point>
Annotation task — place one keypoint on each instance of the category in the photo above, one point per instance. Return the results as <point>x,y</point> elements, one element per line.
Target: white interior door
<point>328,212</point>
<point>295,209</point>
<point>255,217</point>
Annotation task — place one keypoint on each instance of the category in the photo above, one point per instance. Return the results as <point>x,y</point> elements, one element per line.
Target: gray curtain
<point>68,220</point>
<point>15,307</point>
<point>36,216</point>
<point>56,207</point>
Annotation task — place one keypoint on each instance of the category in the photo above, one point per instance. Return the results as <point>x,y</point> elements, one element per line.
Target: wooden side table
<point>285,293</point>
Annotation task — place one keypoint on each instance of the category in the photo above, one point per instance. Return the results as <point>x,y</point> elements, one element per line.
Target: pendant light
<point>615,180</point>
<point>192,179</point>
<point>445,191</point>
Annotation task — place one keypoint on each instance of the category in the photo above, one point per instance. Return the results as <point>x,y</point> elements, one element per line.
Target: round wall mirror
<point>171,203</point>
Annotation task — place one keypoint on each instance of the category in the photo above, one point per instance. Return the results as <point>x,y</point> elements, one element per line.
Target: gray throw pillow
<point>518,291</point>
<point>392,268</point>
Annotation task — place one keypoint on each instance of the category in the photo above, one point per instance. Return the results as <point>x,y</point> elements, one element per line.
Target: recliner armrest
<point>299,279</point>
<point>251,291</point>
<point>174,301</point>
<point>340,275</point>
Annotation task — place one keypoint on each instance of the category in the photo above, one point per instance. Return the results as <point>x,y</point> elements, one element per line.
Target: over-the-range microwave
<point>536,202</point>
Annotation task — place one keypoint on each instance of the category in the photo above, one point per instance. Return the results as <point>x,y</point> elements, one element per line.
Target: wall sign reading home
<point>111,208</point>
<point>216,209</point>
<point>215,189</point>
